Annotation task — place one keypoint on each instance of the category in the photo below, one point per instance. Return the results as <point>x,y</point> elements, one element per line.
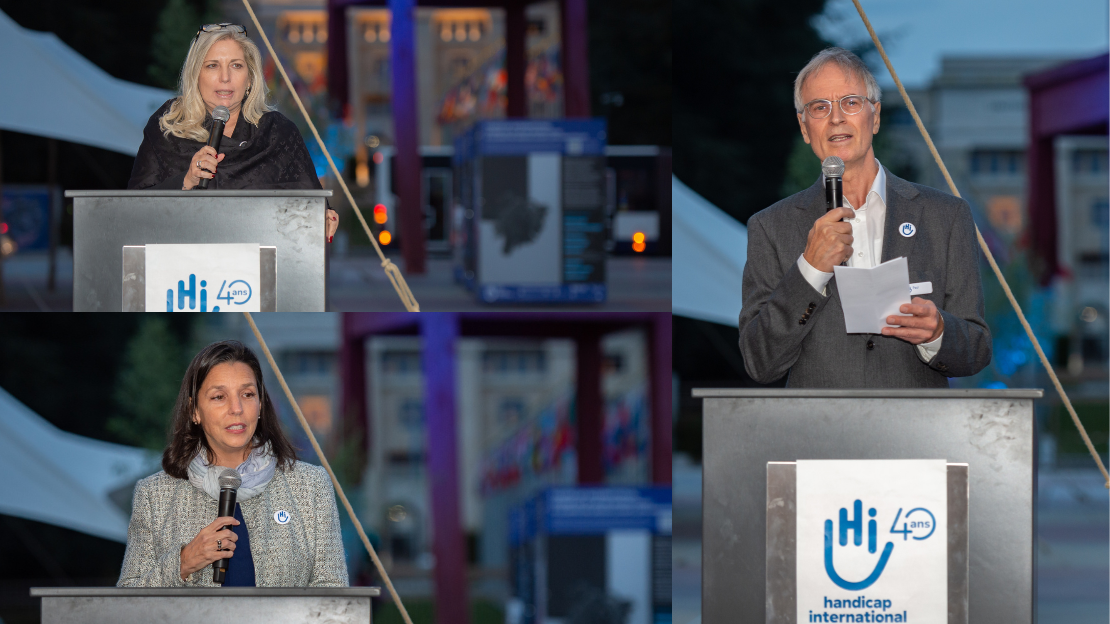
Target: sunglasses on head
<point>238,28</point>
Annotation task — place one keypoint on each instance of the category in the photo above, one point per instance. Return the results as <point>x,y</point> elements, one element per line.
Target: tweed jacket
<point>788,328</point>
<point>307,551</point>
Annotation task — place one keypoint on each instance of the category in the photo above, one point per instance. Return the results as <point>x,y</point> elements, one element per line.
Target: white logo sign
<point>202,278</point>
<point>907,230</point>
<point>872,541</point>
<point>281,517</point>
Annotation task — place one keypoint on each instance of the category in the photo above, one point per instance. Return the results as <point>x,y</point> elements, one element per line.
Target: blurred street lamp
<point>7,245</point>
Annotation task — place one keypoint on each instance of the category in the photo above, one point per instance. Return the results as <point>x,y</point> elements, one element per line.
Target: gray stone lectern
<point>184,605</point>
<point>746,433</point>
<point>292,222</point>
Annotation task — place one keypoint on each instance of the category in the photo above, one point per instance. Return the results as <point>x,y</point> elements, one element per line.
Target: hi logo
<point>910,528</point>
<point>238,292</point>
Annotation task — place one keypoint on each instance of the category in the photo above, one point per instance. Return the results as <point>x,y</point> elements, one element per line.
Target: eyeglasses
<point>237,28</point>
<point>849,105</point>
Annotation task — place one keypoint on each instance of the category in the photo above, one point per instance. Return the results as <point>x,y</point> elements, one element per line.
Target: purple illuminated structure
<point>576,86</point>
<point>1069,99</point>
<point>440,333</point>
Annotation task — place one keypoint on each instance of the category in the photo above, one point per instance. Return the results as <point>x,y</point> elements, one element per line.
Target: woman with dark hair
<point>285,531</point>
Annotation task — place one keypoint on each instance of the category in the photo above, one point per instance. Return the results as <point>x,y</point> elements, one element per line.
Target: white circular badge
<point>907,230</point>
<point>281,517</point>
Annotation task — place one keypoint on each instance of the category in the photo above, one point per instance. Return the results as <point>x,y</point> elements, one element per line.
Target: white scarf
<point>256,472</point>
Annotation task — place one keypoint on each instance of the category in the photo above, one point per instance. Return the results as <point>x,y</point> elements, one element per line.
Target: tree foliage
<point>734,122</point>
<point>630,69</point>
<point>177,25</point>
<point>146,389</point>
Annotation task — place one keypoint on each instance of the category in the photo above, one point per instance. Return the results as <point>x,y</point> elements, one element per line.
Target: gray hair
<point>849,62</point>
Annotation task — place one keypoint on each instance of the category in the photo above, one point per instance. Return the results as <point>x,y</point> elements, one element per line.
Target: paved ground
<point>357,283</point>
<point>25,283</point>
<point>1073,546</point>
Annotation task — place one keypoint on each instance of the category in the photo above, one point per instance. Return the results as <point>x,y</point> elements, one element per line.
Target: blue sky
<point>917,33</point>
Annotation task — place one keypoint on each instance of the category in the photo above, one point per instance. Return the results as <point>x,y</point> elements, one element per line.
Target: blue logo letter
<point>190,293</point>
<point>856,524</point>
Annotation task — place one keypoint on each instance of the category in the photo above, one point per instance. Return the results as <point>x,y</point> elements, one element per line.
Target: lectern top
<point>197,592</point>
<point>863,393</point>
<point>199,194</point>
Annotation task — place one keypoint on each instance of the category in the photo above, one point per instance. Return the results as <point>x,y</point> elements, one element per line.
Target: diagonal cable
<point>987,252</point>
<point>331,473</point>
<point>391,269</point>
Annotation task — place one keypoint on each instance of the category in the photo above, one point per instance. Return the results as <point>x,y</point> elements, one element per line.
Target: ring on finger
<point>219,544</point>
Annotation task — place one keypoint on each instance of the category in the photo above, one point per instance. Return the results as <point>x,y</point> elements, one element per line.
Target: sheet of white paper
<point>868,296</point>
<point>203,278</point>
<point>872,541</point>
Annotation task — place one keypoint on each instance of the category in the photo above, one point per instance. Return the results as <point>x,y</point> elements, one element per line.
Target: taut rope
<point>987,251</point>
<point>391,269</point>
<point>327,466</point>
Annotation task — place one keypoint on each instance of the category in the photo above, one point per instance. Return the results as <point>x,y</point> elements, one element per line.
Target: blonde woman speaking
<point>260,149</point>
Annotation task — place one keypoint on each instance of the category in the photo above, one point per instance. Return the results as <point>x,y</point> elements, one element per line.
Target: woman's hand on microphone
<point>203,165</point>
<point>332,218</point>
<point>202,551</point>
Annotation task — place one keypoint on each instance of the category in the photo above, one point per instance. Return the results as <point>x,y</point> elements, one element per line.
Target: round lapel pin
<point>907,230</point>
<point>281,517</point>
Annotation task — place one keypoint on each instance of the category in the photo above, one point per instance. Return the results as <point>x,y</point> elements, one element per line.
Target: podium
<point>752,436</point>
<point>291,222</point>
<point>185,605</point>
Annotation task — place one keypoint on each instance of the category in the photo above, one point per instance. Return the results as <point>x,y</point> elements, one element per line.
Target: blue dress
<point>240,568</point>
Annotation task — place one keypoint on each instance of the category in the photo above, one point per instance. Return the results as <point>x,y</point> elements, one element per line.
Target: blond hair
<point>186,116</point>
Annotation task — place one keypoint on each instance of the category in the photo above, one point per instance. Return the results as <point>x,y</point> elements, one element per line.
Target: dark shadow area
<point>705,355</point>
<point>43,555</point>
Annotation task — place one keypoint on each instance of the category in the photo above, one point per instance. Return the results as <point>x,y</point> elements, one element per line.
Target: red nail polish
<point>329,239</point>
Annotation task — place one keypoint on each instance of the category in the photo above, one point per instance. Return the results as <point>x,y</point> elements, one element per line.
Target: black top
<point>271,155</point>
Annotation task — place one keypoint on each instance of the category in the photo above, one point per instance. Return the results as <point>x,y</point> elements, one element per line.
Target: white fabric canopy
<point>709,252</point>
<point>61,478</point>
<point>52,91</point>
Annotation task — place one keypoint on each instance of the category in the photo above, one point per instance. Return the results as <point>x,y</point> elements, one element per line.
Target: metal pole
<point>407,133</point>
<point>55,208</point>
<point>3,297</point>
<point>440,333</point>
<point>576,66</point>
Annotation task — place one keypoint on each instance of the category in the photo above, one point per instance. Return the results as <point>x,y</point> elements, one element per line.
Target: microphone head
<point>833,167</point>
<point>229,479</point>
<point>222,114</point>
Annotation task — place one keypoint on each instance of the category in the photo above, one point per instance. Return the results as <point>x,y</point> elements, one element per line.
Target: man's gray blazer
<point>306,551</point>
<point>787,327</point>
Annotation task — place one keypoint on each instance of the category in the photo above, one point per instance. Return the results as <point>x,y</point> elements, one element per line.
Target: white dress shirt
<point>867,247</point>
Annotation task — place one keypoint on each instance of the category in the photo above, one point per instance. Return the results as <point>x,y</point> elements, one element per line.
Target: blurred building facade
<point>977,111</point>
<point>460,63</point>
<point>304,347</point>
<point>515,412</point>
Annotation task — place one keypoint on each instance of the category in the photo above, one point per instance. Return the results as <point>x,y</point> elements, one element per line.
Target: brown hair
<point>187,438</point>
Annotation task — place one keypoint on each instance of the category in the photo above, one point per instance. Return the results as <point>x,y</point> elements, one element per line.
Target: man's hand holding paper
<point>871,296</point>
<point>924,325</point>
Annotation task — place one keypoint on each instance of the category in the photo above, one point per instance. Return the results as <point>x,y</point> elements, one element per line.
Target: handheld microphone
<point>220,115</point>
<point>833,168</point>
<point>229,488</point>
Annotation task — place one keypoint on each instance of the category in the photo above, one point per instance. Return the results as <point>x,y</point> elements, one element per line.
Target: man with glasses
<point>792,322</point>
